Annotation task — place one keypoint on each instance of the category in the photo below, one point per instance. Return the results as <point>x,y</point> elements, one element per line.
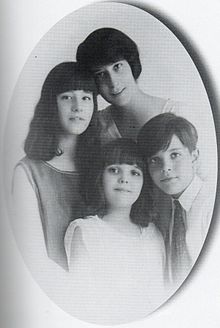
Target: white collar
<point>188,196</point>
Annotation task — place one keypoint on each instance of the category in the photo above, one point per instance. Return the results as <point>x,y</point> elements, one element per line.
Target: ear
<point>195,155</point>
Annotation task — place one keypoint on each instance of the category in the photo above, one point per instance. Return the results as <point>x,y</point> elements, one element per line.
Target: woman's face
<point>75,110</point>
<point>122,184</point>
<point>115,82</point>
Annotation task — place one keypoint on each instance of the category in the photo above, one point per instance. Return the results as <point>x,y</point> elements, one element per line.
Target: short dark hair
<point>42,140</point>
<point>121,151</point>
<point>106,46</point>
<point>157,133</point>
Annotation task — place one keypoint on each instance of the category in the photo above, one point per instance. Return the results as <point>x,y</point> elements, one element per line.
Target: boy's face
<point>173,169</point>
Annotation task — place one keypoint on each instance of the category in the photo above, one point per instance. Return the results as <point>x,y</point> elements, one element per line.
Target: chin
<point>173,193</point>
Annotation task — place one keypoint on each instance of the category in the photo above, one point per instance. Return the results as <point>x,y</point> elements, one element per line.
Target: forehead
<point>125,166</point>
<point>77,92</point>
<point>175,144</point>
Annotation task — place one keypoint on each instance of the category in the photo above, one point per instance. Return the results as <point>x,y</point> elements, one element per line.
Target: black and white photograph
<point>110,168</point>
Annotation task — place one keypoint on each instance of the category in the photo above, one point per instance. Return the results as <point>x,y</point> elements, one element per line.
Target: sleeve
<point>75,244</point>
<point>26,219</point>
<point>28,232</point>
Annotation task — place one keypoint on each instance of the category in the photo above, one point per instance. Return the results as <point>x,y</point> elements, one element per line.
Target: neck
<point>67,143</point>
<point>119,215</point>
<point>131,117</point>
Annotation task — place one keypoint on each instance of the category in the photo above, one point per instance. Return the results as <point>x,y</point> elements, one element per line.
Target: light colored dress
<point>117,278</point>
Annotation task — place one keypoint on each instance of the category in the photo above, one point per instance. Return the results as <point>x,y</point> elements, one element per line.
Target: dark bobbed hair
<point>106,46</point>
<point>121,151</point>
<point>157,133</point>
<point>42,140</point>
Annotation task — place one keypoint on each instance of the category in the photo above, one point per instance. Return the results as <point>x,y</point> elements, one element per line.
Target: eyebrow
<point>135,165</point>
<point>174,149</point>
<point>98,69</point>
<point>170,151</point>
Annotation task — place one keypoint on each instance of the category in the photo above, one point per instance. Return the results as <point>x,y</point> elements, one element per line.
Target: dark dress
<point>59,203</point>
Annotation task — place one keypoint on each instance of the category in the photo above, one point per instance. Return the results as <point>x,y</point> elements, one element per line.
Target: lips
<point>76,118</point>
<point>168,179</point>
<point>117,93</point>
<point>122,190</point>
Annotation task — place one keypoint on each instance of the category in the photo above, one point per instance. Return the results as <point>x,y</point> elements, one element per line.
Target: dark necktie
<point>180,259</point>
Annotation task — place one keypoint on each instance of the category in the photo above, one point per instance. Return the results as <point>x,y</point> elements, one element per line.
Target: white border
<point>24,22</point>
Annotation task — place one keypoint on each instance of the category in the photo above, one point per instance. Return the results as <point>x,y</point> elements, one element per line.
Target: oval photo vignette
<point>168,74</point>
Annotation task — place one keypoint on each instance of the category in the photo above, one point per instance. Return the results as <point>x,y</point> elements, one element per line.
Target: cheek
<point>107,182</point>
<point>138,185</point>
<point>183,167</point>
<point>61,116</point>
<point>103,88</point>
<point>154,174</point>
<point>90,111</point>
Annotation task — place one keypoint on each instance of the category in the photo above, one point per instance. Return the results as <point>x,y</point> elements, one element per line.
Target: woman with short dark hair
<point>113,58</point>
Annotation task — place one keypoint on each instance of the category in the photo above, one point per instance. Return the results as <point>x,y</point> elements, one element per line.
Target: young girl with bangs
<point>47,181</point>
<point>116,256</point>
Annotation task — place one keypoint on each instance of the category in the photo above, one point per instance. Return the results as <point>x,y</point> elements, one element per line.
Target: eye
<point>175,155</point>
<point>113,169</point>
<point>118,66</point>
<point>153,161</point>
<point>137,173</point>
<point>100,75</point>
<point>66,97</point>
<point>87,98</point>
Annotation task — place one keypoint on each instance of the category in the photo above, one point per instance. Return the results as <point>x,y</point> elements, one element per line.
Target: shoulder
<point>82,229</point>
<point>23,171</point>
<point>83,224</point>
<point>182,109</point>
<point>176,107</point>
<point>27,163</point>
<point>33,169</point>
<point>206,194</point>
<point>24,162</point>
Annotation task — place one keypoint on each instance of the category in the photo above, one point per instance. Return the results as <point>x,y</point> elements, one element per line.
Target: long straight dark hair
<point>42,140</point>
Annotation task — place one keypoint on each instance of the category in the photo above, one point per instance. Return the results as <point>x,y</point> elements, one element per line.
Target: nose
<point>113,81</point>
<point>166,167</point>
<point>123,179</point>
<point>75,106</point>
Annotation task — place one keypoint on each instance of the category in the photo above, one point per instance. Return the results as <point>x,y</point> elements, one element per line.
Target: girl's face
<point>115,82</point>
<point>75,109</point>
<point>122,184</point>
